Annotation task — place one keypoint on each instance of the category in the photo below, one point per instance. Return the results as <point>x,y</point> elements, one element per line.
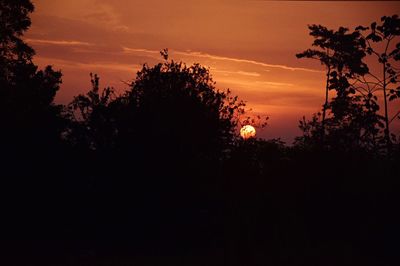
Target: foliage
<point>342,53</point>
<point>312,133</point>
<point>29,116</point>
<point>91,116</point>
<point>379,40</point>
<point>170,106</point>
<point>186,106</point>
<point>354,121</point>
<point>339,49</point>
<point>14,22</point>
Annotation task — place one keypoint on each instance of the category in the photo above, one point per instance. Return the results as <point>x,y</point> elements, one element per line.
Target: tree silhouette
<point>180,104</point>
<point>32,152</point>
<point>354,119</point>
<point>31,121</point>
<point>91,127</point>
<point>323,40</point>
<point>387,53</point>
<point>14,22</point>
<point>341,52</point>
<point>170,107</point>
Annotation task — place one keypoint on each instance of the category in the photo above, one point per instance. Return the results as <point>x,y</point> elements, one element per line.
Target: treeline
<point>159,176</point>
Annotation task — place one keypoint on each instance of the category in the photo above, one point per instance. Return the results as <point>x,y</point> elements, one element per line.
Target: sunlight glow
<point>247,132</point>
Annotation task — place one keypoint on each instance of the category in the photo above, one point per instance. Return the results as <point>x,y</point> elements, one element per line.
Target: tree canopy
<point>354,120</point>
<point>30,119</point>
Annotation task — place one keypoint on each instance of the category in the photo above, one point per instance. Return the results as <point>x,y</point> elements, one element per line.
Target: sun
<point>247,132</point>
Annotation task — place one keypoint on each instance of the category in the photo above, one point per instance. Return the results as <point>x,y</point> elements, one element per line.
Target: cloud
<point>139,50</point>
<point>106,15</point>
<point>275,84</point>
<point>247,61</point>
<point>239,72</point>
<point>89,66</point>
<point>58,42</point>
<point>222,58</point>
<point>249,85</point>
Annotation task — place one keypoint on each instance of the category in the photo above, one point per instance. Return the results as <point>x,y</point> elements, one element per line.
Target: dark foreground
<point>275,207</point>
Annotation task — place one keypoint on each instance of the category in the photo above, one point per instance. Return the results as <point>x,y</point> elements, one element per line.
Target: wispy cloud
<point>222,58</point>
<point>244,73</point>
<point>60,63</point>
<point>277,84</point>
<point>139,50</point>
<point>59,42</point>
<point>247,61</point>
<point>107,15</point>
<point>248,85</point>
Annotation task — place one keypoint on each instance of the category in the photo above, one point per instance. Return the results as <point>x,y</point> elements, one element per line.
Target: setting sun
<point>247,132</point>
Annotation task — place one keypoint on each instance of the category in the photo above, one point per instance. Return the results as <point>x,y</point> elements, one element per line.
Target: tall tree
<point>323,41</point>
<point>381,44</point>
<point>30,119</point>
<point>14,52</point>
<point>342,53</point>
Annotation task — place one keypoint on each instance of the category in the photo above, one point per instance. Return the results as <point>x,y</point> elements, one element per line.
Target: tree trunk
<point>325,104</point>
<point>387,130</point>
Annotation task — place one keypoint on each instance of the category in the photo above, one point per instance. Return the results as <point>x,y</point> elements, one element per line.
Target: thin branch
<point>360,90</point>
<point>377,87</point>
<point>377,79</point>
<point>372,50</point>
<point>387,45</point>
<point>364,81</point>
<point>380,34</point>
<point>394,76</point>
<point>367,83</point>
<point>394,117</point>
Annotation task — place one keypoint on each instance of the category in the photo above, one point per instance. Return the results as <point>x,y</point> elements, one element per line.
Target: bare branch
<point>394,117</point>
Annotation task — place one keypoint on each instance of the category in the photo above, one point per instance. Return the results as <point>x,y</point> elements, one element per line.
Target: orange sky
<point>250,46</point>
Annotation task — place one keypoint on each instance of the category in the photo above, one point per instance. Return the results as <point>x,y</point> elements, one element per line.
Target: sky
<point>249,46</point>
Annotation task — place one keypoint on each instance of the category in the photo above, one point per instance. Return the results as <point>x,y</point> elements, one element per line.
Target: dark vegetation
<point>158,175</point>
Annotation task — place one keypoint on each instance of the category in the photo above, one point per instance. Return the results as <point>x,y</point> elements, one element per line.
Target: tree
<point>185,107</point>
<point>158,146</point>
<point>30,134</point>
<point>31,122</point>
<point>171,112</point>
<point>340,52</point>
<point>322,40</point>
<point>91,126</point>
<point>15,54</point>
<point>180,105</point>
<point>380,40</point>
<point>354,120</point>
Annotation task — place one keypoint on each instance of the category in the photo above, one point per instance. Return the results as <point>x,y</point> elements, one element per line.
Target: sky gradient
<point>249,46</point>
